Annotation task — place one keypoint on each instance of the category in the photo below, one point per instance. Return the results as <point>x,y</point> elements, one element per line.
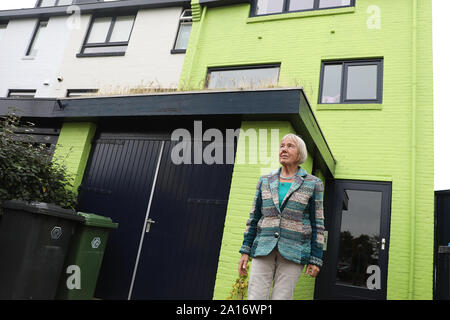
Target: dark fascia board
<point>284,104</point>
<point>112,7</point>
<point>315,135</point>
<point>28,107</point>
<point>219,102</point>
<point>218,3</point>
<point>442,192</point>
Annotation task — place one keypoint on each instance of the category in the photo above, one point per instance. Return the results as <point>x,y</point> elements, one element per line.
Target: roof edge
<point>87,8</point>
<point>219,3</point>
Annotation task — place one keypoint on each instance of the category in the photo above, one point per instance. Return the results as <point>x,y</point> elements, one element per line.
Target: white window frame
<point>21,93</point>
<point>185,19</point>
<point>40,27</point>
<point>55,4</point>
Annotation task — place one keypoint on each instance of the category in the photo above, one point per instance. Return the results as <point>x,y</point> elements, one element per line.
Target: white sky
<point>441,74</point>
<point>16,4</point>
<point>441,52</point>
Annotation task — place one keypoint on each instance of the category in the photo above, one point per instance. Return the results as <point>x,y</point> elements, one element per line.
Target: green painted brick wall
<point>392,141</point>
<point>73,148</point>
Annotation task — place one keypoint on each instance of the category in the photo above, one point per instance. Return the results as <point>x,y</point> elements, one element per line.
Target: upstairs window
<point>21,94</point>
<point>265,76</point>
<point>52,3</point>
<point>75,93</point>
<point>354,81</point>
<point>108,36</point>
<point>183,33</point>
<point>3,27</point>
<point>264,7</point>
<point>36,40</point>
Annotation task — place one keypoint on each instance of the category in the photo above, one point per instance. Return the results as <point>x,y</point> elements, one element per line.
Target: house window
<point>334,3</point>
<point>299,5</point>
<point>21,94</point>
<point>263,7</point>
<point>243,77</point>
<point>72,93</point>
<point>52,3</point>
<point>36,40</point>
<point>354,81</point>
<point>108,36</point>
<point>183,33</point>
<point>3,27</point>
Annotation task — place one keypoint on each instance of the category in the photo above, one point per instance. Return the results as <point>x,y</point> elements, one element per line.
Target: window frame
<point>4,26</point>
<point>107,43</point>
<point>35,33</point>
<point>82,92</point>
<point>344,79</point>
<point>39,2</point>
<point>286,4</point>
<point>181,20</point>
<point>240,67</point>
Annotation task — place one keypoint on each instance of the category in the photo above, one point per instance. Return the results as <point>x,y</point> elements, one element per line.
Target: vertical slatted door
<point>117,184</point>
<point>180,252</point>
<point>442,238</point>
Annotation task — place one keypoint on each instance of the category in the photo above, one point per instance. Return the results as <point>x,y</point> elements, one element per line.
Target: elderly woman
<point>285,230</point>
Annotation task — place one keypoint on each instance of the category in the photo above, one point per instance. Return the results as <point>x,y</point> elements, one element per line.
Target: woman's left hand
<point>312,270</point>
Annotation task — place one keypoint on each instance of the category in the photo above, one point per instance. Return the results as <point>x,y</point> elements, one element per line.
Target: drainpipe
<point>413,153</point>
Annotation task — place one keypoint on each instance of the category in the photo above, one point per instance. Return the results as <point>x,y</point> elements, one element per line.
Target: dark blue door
<point>180,250</point>
<point>117,184</point>
<point>441,286</point>
<point>134,181</point>
<point>357,220</point>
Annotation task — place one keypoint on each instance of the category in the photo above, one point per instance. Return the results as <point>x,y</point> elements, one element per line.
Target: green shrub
<point>27,171</point>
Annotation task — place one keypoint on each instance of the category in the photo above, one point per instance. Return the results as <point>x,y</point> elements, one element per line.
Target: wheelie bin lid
<point>95,220</point>
<point>41,208</point>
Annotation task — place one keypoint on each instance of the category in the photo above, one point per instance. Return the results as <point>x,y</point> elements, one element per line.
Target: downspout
<point>413,154</point>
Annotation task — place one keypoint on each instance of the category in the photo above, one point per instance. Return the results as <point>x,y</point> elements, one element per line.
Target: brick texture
<point>74,145</point>
<point>377,141</point>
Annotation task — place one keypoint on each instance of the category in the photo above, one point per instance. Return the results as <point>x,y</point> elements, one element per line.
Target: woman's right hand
<point>243,265</point>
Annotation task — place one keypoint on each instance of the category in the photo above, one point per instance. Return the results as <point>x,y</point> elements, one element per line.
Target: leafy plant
<point>27,170</point>
<point>240,287</point>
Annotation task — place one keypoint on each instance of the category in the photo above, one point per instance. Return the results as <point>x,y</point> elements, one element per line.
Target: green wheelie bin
<point>85,256</point>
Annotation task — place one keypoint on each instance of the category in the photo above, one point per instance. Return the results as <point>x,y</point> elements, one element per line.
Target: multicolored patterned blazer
<point>296,225</point>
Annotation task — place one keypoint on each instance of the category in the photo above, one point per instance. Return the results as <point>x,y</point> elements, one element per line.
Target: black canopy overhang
<point>258,105</point>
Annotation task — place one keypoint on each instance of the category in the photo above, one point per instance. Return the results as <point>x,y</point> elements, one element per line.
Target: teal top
<point>283,188</point>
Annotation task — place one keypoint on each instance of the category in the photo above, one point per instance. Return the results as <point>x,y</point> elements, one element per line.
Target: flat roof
<point>273,104</point>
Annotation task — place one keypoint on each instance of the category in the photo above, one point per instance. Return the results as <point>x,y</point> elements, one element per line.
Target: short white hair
<point>303,152</point>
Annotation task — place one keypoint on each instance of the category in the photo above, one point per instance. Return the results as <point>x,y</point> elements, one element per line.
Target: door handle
<point>383,243</point>
<point>149,224</point>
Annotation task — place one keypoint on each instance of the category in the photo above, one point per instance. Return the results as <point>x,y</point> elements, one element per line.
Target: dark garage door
<point>133,180</point>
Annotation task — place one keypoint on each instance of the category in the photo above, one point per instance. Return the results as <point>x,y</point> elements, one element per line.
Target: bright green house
<point>366,70</point>
<point>353,78</point>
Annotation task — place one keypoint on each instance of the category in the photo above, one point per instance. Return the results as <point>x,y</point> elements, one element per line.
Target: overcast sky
<point>441,52</point>
<point>16,4</point>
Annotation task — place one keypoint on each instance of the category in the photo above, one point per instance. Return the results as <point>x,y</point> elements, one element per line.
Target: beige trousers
<point>275,269</point>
